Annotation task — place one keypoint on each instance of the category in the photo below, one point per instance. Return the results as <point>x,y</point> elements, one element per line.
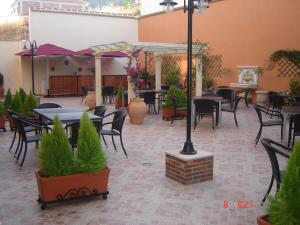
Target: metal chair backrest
<point>296,121</point>
<point>107,90</point>
<point>149,97</point>
<point>164,87</point>
<point>100,110</point>
<point>277,101</point>
<point>72,130</point>
<point>118,120</point>
<point>204,106</point>
<point>84,90</point>
<point>269,146</point>
<point>271,94</point>
<point>48,105</point>
<point>227,94</point>
<point>258,111</point>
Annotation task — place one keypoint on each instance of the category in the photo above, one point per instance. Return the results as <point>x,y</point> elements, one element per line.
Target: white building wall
<point>152,6</point>
<point>10,65</point>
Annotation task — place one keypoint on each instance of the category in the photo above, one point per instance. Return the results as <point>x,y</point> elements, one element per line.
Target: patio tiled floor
<point>139,191</point>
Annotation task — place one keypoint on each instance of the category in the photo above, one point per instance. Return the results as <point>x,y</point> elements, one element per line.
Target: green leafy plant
<point>294,87</point>
<point>55,154</point>
<point>30,103</point>
<point>207,82</point>
<point>8,99</point>
<point>89,156</point>
<point>1,109</point>
<point>23,95</point>
<point>178,93</point>
<point>120,92</point>
<point>16,104</point>
<point>172,78</point>
<point>284,207</point>
<point>1,79</point>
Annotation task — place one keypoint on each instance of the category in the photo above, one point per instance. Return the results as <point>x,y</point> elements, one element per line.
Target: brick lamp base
<point>190,169</point>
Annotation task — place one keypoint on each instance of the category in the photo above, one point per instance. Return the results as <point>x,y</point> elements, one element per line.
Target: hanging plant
<point>66,62</point>
<point>291,55</point>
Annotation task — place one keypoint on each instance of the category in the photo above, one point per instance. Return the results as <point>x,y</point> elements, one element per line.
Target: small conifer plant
<point>55,154</point>
<point>8,99</point>
<point>23,95</point>
<point>16,104</point>
<point>284,207</point>
<point>30,103</point>
<point>89,156</point>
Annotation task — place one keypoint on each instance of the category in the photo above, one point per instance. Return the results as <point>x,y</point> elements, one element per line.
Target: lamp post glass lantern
<point>33,46</point>
<point>201,5</point>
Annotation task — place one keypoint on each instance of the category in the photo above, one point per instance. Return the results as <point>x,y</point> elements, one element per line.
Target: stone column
<point>157,72</point>
<point>131,91</point>
<point>98,80</point>
<point>199,75</point>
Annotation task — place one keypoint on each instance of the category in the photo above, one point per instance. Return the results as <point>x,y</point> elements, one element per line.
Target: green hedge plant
<point>16,104</point>
<point>1,109</point>
<point>1,79</point>
<point>23,95</point>
<point>284,207</point>
<point>55,154</point>
<point>8,99</point>
<point>120,92</point>
<point>178,93</point>
<point>294,87</point>
<point>172,78</point>
<point>30,103</point>
<point>89,156</point>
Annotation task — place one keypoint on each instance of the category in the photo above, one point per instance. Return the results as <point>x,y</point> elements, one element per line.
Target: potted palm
<point>283,209</point>
<point>1,85</point>
<point>64,176</point>
<point>119,97</point>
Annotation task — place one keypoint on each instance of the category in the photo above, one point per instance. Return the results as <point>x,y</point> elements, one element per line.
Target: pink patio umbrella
<point>47,50</point>
<point>113,54</point>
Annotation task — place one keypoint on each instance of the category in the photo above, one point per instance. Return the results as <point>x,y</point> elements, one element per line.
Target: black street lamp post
<point>33,46</point>
<point>201,5</point>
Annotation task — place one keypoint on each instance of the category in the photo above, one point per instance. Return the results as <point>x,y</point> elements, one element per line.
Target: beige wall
<point>76,31</point>
<point>10,65</point>
<point>245,32</point>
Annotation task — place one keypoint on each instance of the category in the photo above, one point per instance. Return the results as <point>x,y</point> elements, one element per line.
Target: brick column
<point>190,169</point>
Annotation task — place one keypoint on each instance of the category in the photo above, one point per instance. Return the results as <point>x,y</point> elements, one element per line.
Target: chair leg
<point>24,155</point>
<point>258,135</point>
<point>195,122</point>
<point>13,141</point>
<point>113,141</point>
<point>293,141</point>
<point>268,191</point>
<point>172,122</point>
<point>104,139</point>
<point>246,101</point>
<point>20,151</point>
<point>281,132</point>
<point>123,146</point>
<point>154,108</point>
<point>213,121</point>
<point>19,142</point>
<point>236,122</point>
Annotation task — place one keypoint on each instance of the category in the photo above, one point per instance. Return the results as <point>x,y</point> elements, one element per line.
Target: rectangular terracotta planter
<point>56,189</point>
<point>263,220</point>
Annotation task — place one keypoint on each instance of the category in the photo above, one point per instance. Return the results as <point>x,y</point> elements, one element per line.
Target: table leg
<point>220,114</point>
<point>285,120</point>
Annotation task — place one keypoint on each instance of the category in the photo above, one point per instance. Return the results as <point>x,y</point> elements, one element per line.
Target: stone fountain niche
<point>248,76</point>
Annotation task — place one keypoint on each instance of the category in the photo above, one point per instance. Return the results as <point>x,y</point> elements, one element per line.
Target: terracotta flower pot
<point>263,220</point>
<point>91,99</point>
<point>167,113</point>
<point>55,189</point>
<point>2,121</point>
<point>118,103</point>
<point>137,110</point>
<point>2,90</point>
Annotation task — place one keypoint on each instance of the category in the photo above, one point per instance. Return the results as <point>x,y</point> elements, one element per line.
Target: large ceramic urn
<point>91,99</point>
<point>137,110</point>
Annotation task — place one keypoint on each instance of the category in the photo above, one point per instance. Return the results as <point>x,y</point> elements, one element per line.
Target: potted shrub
<point>283,209</point>
<point>63,176</point>
<point>172,78</point>
<point>29,104</point>
<point>2,117</point>
<point>1,85</point>
<point>119,97</point>
<point>23,95</point>
<point>168,107</point>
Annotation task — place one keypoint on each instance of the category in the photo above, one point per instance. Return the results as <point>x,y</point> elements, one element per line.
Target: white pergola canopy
<point>158,49</point>
<point>151,47</point>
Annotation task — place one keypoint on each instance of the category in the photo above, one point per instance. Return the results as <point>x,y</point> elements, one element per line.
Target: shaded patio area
<point>139,191</point>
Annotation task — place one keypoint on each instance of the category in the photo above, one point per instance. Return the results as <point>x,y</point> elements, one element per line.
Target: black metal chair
<point>108,94</point>
<point>228,96</point>
<point>229,109</point>
<point>270,98</point>
<point>204,107</point>
<point>179,112</point>
<point>294,129</point>
<point>272,149</point>
<point>149,99</point>
<point>279,122</point>
<point>83,91</point>
<point>20,125</point>
<point>116,128</point>
<point>48,105</point>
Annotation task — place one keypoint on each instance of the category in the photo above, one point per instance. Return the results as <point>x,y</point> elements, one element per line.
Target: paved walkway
<point>140,194</point>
